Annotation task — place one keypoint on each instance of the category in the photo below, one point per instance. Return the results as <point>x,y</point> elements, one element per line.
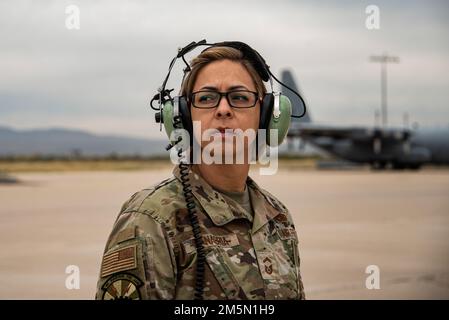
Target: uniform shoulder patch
<point>122,286</point>
<point>119,260</point>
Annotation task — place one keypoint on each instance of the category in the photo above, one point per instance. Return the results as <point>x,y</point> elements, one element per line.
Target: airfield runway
<point>346,221</point>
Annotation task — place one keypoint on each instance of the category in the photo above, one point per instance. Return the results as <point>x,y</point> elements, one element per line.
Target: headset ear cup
<point>186,117</point>
<point>266,110</point>
<point>280,123</point>
<point>167,115</point>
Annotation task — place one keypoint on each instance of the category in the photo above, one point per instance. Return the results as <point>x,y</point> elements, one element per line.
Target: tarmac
<point>346,221</point>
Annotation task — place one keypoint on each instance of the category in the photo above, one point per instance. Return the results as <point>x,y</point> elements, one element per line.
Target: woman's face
<point>224,76</point>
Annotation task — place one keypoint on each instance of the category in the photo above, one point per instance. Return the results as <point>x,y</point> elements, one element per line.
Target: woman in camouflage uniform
<point>249,239</point>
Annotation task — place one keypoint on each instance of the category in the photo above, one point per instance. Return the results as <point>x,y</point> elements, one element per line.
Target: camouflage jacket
<point>151,254</point>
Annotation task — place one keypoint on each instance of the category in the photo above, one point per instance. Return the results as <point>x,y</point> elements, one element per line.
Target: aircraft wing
<point>359,134</point>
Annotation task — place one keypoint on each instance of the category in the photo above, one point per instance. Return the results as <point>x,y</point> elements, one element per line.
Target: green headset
<point>275,111</point>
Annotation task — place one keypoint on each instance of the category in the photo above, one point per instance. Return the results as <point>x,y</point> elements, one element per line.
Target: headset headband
<point>249,53</point>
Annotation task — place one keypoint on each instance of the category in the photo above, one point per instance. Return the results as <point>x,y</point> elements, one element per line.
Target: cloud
<point>101,77</point>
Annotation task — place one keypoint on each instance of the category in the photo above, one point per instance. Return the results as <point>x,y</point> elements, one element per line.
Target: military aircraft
<point>395,148</point>
<point>6,178</point>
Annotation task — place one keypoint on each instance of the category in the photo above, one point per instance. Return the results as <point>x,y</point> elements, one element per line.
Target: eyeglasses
<point>236,99</point>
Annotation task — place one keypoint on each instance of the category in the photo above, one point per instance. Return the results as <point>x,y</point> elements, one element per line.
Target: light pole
<point>384,59</point>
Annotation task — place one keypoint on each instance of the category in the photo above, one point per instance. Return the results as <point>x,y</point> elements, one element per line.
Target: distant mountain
<point>68,142</point>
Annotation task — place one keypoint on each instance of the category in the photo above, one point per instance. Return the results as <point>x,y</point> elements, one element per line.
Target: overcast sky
<point>101,77</point>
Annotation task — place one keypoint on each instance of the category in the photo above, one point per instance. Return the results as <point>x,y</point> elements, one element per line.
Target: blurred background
<point>77,135</point>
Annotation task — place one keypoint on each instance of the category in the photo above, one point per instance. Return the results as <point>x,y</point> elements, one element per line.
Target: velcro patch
<point>281,218</point>
<point>126,234</point>
<point>119,260</point>
<point>287,233</point>
<point>213,240</point>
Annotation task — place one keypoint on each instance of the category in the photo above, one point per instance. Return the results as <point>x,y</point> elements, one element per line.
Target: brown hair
<point>215,54</point>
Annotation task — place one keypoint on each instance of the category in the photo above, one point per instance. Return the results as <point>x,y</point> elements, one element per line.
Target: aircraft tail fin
<point>287,78</point>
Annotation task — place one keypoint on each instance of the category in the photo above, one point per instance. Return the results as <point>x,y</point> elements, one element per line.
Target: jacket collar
<point>218,209</point>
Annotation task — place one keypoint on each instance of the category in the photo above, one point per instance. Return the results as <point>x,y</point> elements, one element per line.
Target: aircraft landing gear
<point>401,166</point>
<point>398,166</point>
<point>378,165</point>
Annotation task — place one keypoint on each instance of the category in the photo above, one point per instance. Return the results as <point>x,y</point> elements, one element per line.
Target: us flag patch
<point>119,260</point>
